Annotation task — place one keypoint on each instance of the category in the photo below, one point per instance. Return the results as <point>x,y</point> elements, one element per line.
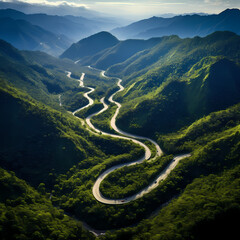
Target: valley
<point>120,139</point>
<point>147,156</point>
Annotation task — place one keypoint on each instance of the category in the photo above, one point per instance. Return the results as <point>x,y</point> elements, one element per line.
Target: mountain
<point>118,53</point>
<point>40,81</point>
<point>172,49</point>
<point>37,145</point>
<point>25,36</point>
<point>71,27</point>
<point>192,77</point>
<point>19,200</point>
<point>90,46</point>
<point>182,93</point>
<point>183,26</point>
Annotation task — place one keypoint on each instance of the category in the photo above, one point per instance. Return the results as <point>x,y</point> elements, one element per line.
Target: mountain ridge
<point>184,26</point>
<point>25,36</point>
<point>90,45</point>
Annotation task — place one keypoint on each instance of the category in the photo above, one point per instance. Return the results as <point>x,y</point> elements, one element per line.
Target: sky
<point>146,8</point>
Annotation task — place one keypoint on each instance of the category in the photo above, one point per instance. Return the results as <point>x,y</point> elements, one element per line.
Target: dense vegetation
<point>127,181</point>
<point>207,209</point>
<point>208,128</point>
<point>90,45</point>
<point>186,97</point>
<point>102,121</point>
<point>184,85</point>
<point>130,180</point>
<point>213,158</point>
<point>27,214</point>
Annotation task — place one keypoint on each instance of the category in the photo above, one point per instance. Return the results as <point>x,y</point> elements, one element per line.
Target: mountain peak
<point>232,11</point>
<point>90,45</point>
<point>100,35</point>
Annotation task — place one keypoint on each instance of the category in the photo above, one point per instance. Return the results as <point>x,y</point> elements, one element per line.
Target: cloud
<point>48,3</point>
<point>116,3</point>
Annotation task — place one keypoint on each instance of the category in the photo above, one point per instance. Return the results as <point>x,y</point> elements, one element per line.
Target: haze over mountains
<point>183,26</point>
<point>52,34</point>
<point>181,89</point>
<point>156,59</point>
<point>89,46</point>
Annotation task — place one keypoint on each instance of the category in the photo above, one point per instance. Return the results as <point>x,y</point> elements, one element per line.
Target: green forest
<point>181,93</point>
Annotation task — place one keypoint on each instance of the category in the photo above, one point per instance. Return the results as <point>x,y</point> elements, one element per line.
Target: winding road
<point>127,136</point>
<point>81,84</point>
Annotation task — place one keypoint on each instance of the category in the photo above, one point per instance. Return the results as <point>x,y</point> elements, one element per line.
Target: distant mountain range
<point>73,27</point>
<point>52,34</point>
<point>24,35</point>
<point>96,51</point>
<point>183,26</point>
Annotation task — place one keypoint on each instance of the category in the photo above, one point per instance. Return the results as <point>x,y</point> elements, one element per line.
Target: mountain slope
<point>183,26</point>
<point>66,27</point>
<point>118,53</point>
<point>28,214</point>
<point>178,54</point>
<point>90,46</point>
<point>199,213</point>
<point>24,35</point>
<point>190,79</point>
<point>37,139</point>
<point>38,74</point>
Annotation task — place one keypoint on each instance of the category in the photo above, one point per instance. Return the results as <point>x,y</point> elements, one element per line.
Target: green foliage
<point>25,214</point>
<point>189,78</point>
<point>90,46</point>
<point>90,110</point>
<point>74,99</point>
<point>206,129</point>
<point>207,209</point>
<point>212,84</point>
<point>213,157</point>
<point>130,180</point>
<point>27,72</point>
<point>38,141</point>
<point>102,121</point>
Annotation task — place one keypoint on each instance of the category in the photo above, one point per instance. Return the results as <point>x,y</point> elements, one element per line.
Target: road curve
<point>96,191</point>
<point>159,151</point>
<point>131,137</point>
<point>81,84</point>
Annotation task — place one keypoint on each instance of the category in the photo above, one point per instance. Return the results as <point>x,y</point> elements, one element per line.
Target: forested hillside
<point>189,80</point>
<point>90,46</point>
<point>62,151</point>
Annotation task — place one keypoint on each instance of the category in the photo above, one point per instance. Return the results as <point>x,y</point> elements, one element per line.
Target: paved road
<point>81,84</point>
<point>131,137</point>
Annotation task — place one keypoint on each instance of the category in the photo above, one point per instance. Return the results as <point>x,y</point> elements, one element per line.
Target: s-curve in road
<point>162,176</point>
<point>81,84</point>
<point>127,136</point>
